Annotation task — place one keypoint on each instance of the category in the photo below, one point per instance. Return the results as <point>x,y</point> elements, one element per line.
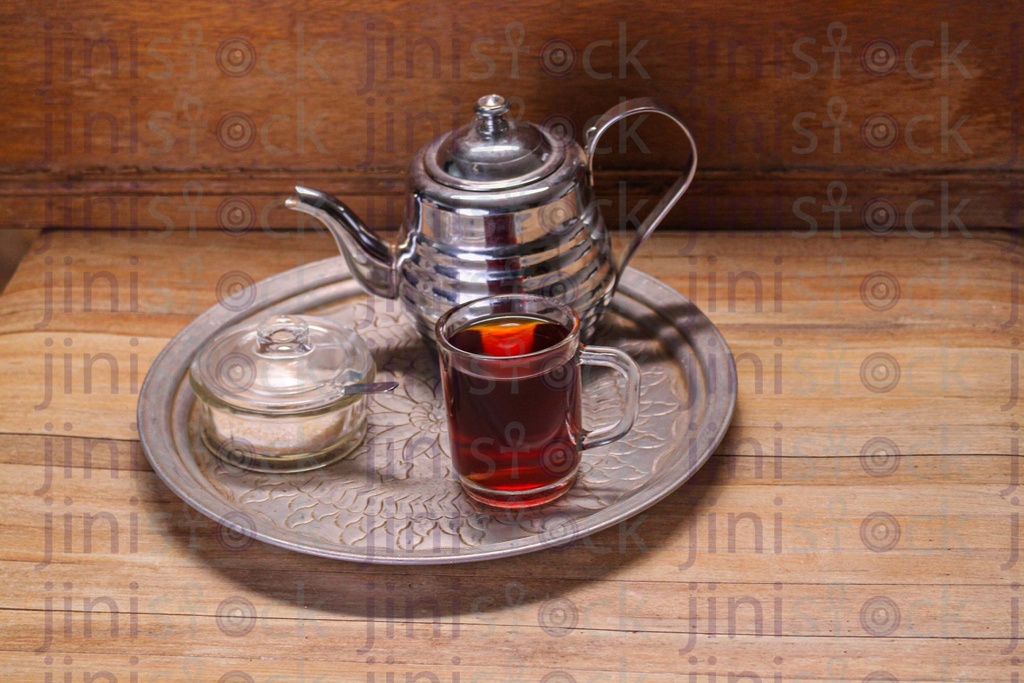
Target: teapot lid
<point>492,152</point>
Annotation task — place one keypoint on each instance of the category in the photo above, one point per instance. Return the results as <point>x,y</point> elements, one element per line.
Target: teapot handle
<point>642,105</point>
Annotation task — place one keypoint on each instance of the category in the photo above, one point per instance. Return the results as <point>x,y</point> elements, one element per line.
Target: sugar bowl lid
<point>287,363</point>
<point>493,152</point>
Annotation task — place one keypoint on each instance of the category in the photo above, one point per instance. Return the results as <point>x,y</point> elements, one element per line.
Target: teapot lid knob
<point>494,151</point>
<point>490,116</point>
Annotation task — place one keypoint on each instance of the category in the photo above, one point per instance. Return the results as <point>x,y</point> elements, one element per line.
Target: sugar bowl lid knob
<point>283,336</point>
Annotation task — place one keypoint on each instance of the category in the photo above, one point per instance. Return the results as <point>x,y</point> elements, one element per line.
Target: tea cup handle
<point>634,107</point>
<point>627,367</point>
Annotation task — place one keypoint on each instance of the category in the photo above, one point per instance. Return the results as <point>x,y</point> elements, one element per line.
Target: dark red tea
<point>519,433</point>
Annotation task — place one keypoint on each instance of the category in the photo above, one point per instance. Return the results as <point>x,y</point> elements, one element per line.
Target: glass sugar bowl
<point>286,395</point>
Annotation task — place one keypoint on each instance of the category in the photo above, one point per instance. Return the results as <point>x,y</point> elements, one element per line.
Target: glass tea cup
<point>511,373</point>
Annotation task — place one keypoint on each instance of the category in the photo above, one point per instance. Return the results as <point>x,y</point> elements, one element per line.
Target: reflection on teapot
<point>497,206</point>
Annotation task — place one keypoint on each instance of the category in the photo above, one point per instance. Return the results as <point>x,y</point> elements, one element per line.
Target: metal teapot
<point>497,206</point>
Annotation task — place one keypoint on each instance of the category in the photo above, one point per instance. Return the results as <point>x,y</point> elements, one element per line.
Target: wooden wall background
<point>160,116</point>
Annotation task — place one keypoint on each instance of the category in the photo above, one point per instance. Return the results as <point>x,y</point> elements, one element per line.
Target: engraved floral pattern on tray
<point>396,492</point>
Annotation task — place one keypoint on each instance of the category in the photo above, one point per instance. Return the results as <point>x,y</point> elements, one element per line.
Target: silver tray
<point>394,501</point>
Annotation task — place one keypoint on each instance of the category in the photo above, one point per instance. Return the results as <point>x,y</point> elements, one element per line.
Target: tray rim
<point>333,271</point>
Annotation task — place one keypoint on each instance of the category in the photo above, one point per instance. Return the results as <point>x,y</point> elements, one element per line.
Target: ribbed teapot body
<point>497,206</point>
<point>546,238</point>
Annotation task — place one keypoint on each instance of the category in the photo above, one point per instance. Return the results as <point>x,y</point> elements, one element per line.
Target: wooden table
<point>861,522</point>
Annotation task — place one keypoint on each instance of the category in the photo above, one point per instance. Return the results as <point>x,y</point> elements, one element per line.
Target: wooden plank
<point>165,83</point>
<point>390,598</point>
<point>923,527</point>
<point>819,281</point>
<point>60,456</point>
<point>331,648</point>
<point>183,107</point>
<point>807,202</point>
<point>946,317</point>
<point>52,385</point>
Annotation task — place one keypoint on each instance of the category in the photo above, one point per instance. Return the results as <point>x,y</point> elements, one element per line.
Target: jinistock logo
<point>879,56</point>
<point>559,57</point>
<point>75,53</point>
<point>81,527</point>
<point>86,373</point>
<point>713,286</point>
<point>100,290</point>
<point>880,215</point>
<point>82,614</point>
<point>743,531</point>
<point>880,131</point>
<point>72,52</point>
<point>731,615</point>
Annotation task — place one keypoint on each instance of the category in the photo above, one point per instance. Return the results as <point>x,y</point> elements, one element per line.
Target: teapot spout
<point>373,261</point>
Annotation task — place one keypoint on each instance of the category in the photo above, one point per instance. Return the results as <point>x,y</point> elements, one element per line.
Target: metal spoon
<point>367,388</point>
